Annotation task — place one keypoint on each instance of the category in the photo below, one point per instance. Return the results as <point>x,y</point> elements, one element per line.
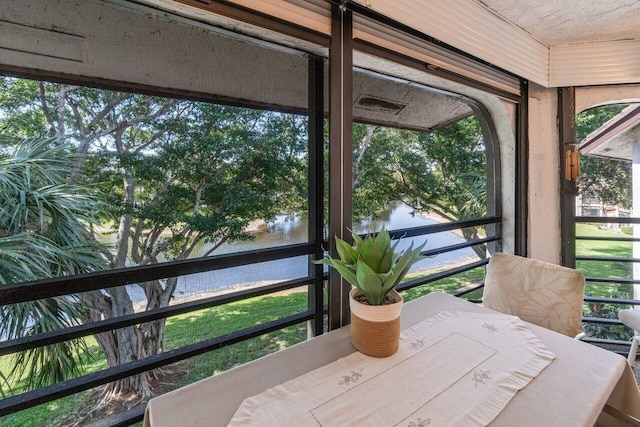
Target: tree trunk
<point>125,345</point>
<point>362,149</point>
<point>66,109</point>
<point>472,234</point>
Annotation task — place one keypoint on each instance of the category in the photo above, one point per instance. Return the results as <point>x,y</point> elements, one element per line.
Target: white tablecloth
<point>454,369</point>
<point>570,391</point>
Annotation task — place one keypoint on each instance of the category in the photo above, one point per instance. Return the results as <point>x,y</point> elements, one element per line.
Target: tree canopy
<point>441,172</point>
<point>608,180</point>
<point>173,175</point>
<point>44,233</point>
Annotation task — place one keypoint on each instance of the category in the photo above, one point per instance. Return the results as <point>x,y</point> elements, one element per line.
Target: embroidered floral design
<point>490,328</point>
<point>480,377</point>
<point>417,344</point>
<point>351,379</point>
<point>420,422</point>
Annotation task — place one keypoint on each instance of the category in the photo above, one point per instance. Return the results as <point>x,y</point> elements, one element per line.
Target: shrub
<point>607,311</point>
<point>627,229</point>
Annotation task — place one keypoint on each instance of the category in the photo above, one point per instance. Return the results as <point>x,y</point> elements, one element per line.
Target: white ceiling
<point>564,22</point>
<point>554,43</point>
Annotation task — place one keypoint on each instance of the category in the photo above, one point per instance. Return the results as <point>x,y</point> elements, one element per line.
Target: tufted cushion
<point>545,294</point>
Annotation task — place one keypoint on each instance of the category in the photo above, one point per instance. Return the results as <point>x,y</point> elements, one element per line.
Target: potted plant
<point>374,269</point>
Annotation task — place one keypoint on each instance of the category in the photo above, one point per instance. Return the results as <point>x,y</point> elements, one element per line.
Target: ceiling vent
<point>380,105</point>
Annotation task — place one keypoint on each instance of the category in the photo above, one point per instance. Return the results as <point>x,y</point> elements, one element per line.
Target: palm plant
<point>372,264</point>
<point>43,234</point>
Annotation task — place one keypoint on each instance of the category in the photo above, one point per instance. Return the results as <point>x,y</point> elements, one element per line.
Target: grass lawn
<point>183,330</point>
<point>604,268</point>
<point>201,325</point>
<point>623,270</point>
<point>205,324</point>
<point>447,285</point>
<point>194,327</point>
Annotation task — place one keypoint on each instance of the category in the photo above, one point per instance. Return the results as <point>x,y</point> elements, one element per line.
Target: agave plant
<point>372,264</point>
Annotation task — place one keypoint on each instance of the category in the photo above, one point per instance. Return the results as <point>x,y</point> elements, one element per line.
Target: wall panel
<point>595,64</point>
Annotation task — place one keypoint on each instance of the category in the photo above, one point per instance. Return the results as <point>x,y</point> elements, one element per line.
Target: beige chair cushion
<point>545,294</point>
<point>630,318</point>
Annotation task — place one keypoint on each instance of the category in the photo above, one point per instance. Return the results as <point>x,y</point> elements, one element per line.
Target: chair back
<point>538,292</point>
<point>631,319</point>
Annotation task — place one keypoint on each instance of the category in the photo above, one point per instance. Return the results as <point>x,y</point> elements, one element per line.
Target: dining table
<point>459,364</point>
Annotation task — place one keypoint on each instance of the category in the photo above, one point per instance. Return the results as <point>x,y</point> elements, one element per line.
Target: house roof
<point>615,138</point>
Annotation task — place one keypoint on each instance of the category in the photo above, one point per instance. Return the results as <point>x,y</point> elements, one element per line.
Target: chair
<point>631,318</point>
<point>545,294</point>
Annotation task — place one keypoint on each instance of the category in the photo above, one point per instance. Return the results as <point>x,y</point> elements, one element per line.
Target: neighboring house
<point>595,207</point>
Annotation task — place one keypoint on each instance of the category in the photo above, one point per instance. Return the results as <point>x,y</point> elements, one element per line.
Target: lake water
<point>286,230</point>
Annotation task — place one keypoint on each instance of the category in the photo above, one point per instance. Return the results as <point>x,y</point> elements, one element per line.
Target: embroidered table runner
<point>455,368</point>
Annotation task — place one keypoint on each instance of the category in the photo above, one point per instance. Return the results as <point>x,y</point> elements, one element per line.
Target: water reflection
<point>285,230</point>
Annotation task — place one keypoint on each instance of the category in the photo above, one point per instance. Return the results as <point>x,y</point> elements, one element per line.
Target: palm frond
<point>44,233</point>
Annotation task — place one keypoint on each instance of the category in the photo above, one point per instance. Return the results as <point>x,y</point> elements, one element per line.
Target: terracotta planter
<point>375,329</point>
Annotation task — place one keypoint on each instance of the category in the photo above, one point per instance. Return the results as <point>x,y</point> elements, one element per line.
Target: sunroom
<point>172,167</point>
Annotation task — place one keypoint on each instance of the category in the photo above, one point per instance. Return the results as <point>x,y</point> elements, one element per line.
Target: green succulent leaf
<point>370,283</point>
<point>345,271</point>
<point>371,254</point>
<point>357,240</point>
<point>391,281</point>
<point>387,261</point>
<point>383,240</point>
<point>372,264</point>
<point>408,258</point>
<point>347,254</point>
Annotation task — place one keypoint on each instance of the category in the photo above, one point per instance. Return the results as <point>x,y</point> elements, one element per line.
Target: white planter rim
<point>376,313</point>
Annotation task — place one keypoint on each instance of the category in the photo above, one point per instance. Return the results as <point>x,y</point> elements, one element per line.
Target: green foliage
<point>608,180</point>
<point>21,118</point>
<point>221,169</point>
<point>43,213</point>
<point>606,311</point>
<point>171,174</point>
<point>443,171</point>
<point>43,233</point>
<point>372,265</point>
<point>590,120</point>
<point>50,364</point>
<point>602,289</point>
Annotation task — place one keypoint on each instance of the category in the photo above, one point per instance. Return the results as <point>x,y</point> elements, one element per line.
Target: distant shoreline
<point>140,306</point>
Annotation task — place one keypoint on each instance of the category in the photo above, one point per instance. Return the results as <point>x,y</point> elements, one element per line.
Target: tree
<point>443,171</point>
<point>43,233</point>
<point>608,180</point>
<point>216,167</point>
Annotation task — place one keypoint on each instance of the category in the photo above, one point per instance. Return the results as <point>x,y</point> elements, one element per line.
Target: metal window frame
<point>340,67</point>
<point>29,291</point>
<point>340,154</point>
<point>316,189</point>
<point>568,188</point>
<point>521,235</point>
